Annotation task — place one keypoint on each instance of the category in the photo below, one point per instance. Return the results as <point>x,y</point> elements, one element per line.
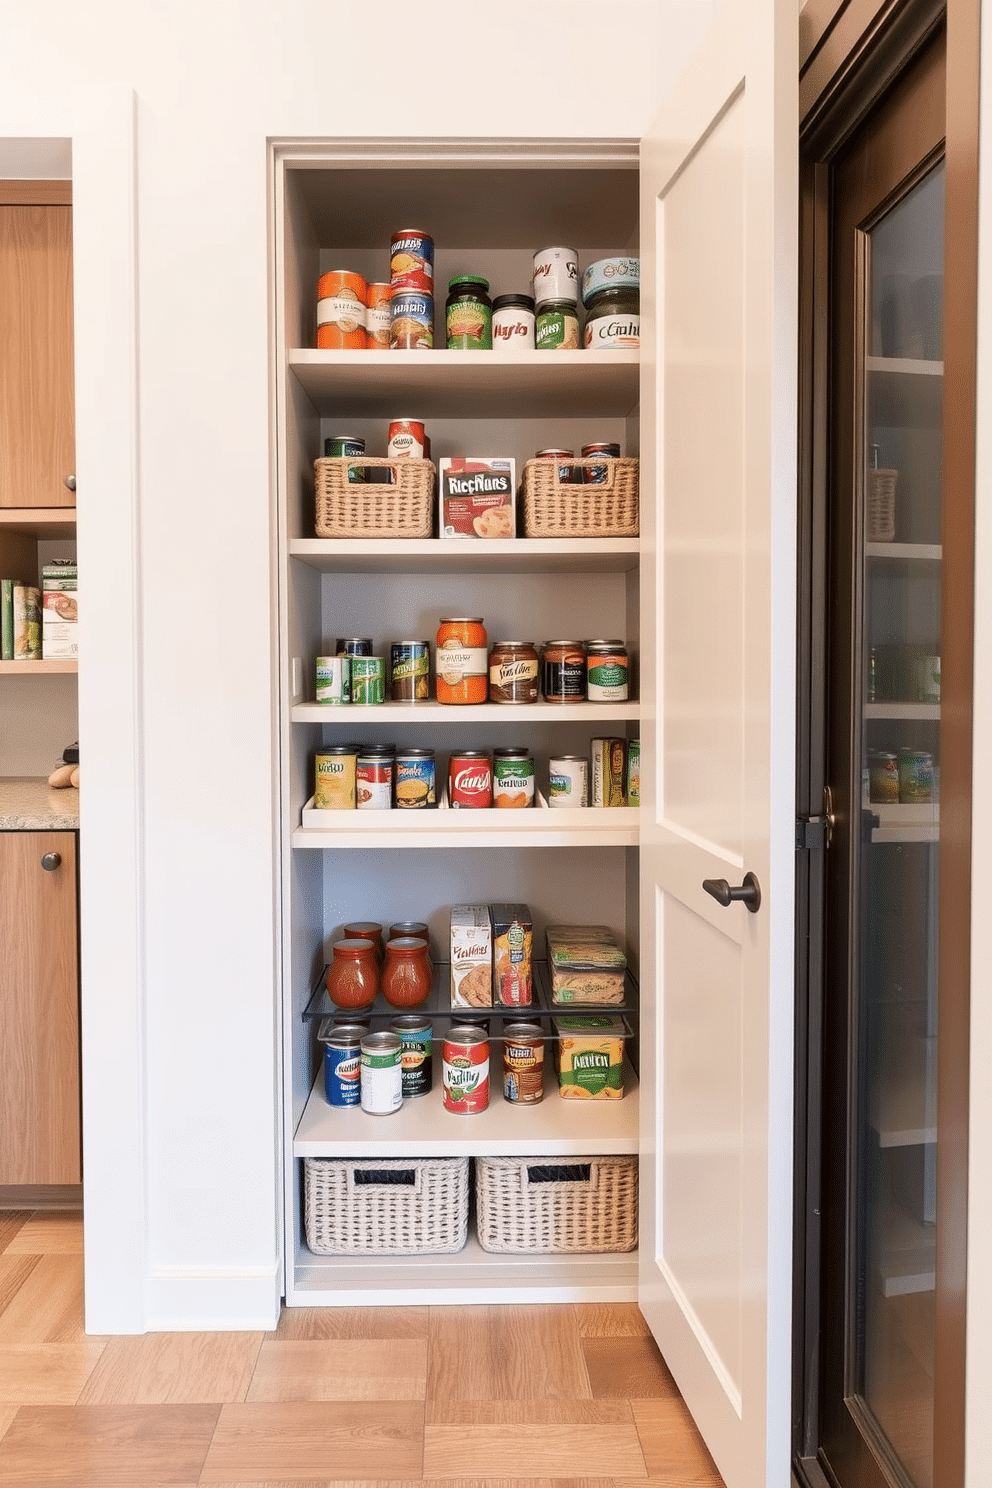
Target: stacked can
<point>342,311</point>
<point>411,271</point>
<point>556,295</point>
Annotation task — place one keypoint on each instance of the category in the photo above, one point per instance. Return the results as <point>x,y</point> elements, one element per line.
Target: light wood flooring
<point>463,1397</point>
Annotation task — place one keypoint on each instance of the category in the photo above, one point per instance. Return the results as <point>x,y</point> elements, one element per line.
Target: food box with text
<point>471,956</point>
<point>477,497</point>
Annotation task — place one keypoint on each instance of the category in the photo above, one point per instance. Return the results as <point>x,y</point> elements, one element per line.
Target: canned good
<point>343,1065</point>
<point>406,440</point>
<point>334,783</point>
<point>513,669</point>
<point>513,322</point>
<point>416,1036</point>
<point>596,475</point>
<point>610,273</point>
<point>411,325</point>
<point>465,1070</point>
<point>341,311</point>
<point>607,671</point>
<point>556,327</point>
<point>411,260</point>
<point>460,1017</point>
<point>468,314</point>
<point>568,780</point>
<point>523,1063</point>
<point>633,772</point>
<point>883,776</point>
<point>368,679</point>
<point>556,275</point>
<point>563,671</point>
<point>462,662</point>
<point>928,680</point>
<point>410,671</point>
<point>382,1075</point>
<point>513,778</point>
<point>340,446</point>
<point>613,320</point>
<point>333,679</point>
<point>609,772</point>
<point>415,781</point>
<point>374,782</point>
<point>915,776</point>
<point>470,779</point>
<point>353,645</point>
<point>378,318</point>
<point>567,474</point>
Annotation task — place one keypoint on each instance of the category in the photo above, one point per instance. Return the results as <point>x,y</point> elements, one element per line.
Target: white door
<point>718,501</point>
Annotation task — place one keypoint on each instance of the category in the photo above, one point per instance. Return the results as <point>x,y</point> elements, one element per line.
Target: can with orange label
<point>341,311</point>
<point>379,316</point>
<point>465,1070</point>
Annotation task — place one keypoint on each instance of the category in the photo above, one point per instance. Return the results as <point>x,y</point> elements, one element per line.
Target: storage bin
<point>554,509</point>
<point>390,1207</point>
<point>348,508</point>
<point>880,505</point>
<point>581,1205</point>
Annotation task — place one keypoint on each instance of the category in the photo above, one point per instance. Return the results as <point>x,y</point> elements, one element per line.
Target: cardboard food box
<point>586,964</point>
<point>59,612</point>
<point>477,497</point>
<point>27,622</point>
<point>471,956</point>
<point>590,1056</point>
<point>513,940</point>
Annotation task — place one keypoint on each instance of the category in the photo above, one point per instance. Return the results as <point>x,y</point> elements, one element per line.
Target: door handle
<point>70,482</point>
<point>50,861</point>
<point>749,892</point>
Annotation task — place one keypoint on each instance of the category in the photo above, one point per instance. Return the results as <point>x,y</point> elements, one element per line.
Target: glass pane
<point>894,1305</point>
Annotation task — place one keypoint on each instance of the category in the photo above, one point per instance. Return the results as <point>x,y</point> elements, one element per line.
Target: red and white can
<point>465,1070</point>
<point>470,779</point>
<point>406,440</point>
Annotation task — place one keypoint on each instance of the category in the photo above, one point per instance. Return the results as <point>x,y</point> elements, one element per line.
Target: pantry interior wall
<point>196,1113</point>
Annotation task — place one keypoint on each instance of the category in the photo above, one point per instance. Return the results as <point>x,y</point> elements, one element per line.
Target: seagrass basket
<point>347,508</point>
<point>417,1206</point>
<point>608,508</point>
<point>582,1206</point>
<point>880,505</point>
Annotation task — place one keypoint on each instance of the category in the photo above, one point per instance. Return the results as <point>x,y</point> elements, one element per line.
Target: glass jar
<point>607,672</point>
<point>367,930</point>
<point>407,974</point>
<point>468,313</point>
<point>613,319</point>
<point>556,326</point>
<point>563,671</point>
<point>353,975</point>
<point>513,669</point>
<point>462,660</point>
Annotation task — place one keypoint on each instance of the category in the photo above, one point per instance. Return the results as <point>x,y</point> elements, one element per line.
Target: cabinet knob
<point>51,861</point>
<point>70,481</point>
<point>748,893</point>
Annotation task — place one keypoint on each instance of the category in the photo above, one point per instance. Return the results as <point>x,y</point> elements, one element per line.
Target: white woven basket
<point>580,1206</point>
<point>393,1207</point>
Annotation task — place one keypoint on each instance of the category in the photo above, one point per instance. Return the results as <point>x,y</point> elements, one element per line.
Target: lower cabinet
<point>39,1029</point>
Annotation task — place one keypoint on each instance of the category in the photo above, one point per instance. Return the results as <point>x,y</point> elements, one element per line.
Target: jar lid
<point>470,281</point>
<point>498,644</point>
<point>353,947</point>
<point>555,454</point>
<point>577,644</point>
<point>361,925</point>
<point>338,749</point>
<point>604,645</point>
<point>504,301</point>
<point>460,620</point>
<point>406,943</point>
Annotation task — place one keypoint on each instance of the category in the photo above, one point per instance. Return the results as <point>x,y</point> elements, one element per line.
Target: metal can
<point>416,1035</point>
<point>915,776</point>
<point>568,475</point>
<point>928,679</point>
<point>609,772</point>
<point>470,779</point>
<point>353,646</point>
<point>468,314</point>
<point>374,781</point>
<point>382,1074</point>
<point>462,661</point>
<point>556,274</point>
<point>340,446</point>
<point>334,782</point>
<point>883,776</point>
<point>341,310</point>
<point>415,780</point>
<point>568,780</point>
<point>406,440</point>
<point>368,679</point>
<point>378,318</point>
<point>633,772</point>
<point>513,778</point>
<point>465,1070</point>
<point>556,327</point>
<point>607,672</point>
<point>411,260</point>
<point>411,325</point>
<point>596,475</point>
<point>513,322</point>
<point>333,679</point>
<point>343,1064</point>
<point>513,669</point>
<point>410,671</point>
<point>608,273</point>
<point>463,1016</point>
<point>563,671</point>
<point>523,1063</point>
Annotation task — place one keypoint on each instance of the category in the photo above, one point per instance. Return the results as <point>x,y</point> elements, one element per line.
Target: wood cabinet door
<point>39,1027</point>
<point>37,420</point>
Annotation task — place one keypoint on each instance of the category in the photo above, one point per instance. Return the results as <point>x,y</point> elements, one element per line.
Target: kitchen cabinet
<point>39,1030</point>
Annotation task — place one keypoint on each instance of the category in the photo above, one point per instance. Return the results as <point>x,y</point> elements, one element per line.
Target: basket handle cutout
<point>560,1173</point>
<point>385,1177</point>
<point>592,462</point>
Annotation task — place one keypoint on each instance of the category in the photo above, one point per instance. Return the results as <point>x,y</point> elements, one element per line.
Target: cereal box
<point>590,1056</point>
<point>513,938</point>
<point>477,494</point>
<point>59,612</point>
<point>471,956</point>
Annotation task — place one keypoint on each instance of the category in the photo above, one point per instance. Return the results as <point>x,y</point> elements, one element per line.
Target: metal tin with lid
<point>523,1063</point>
<point>416,1035</point>
<point>343,1064</point>
<point>556,275</point>
<point>382,1075</point>
<point>610,273</point>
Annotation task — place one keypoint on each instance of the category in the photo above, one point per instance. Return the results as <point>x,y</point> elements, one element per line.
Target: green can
<point>469,314</point>
<point>557,326</point>
<point>368,679</point>
<point>633,772</point>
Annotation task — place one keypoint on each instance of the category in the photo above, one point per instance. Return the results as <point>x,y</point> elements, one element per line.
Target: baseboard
<point>41,1196</point>
<point>209,1299</point>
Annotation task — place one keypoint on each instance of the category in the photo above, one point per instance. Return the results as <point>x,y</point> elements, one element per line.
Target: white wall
<point>212,79</point>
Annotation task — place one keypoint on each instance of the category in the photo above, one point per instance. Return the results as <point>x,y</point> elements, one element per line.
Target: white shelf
<point>898,823</point>
<point>905,367</point>
<point>350,714</point>
<point>423,1128</point>
<point>454,384</point>
<point>433,555</point>
<point>904,1104</point>
<point>441,827</point>
<point>907,1261</point>
<point>900,552</point>
<point>895,712</point>
<point>37,668</point>
<point>904,392</point>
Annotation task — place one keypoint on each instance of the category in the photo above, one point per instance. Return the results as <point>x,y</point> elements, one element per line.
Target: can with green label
<point>633,772</point>
<point>607,672</point>
<point>368,679</point>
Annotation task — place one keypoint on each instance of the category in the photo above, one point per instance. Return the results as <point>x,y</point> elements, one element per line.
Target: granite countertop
<point>28,804</point>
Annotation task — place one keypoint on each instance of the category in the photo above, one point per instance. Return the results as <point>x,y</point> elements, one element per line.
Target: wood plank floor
<point>462,1397</point>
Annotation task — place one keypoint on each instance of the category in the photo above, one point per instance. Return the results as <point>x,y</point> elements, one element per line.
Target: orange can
<point>379,317</point>
<point>341,311</point>
<point>462,661</point>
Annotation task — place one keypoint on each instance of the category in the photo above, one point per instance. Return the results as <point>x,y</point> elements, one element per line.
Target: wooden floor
<point>516,1397</point>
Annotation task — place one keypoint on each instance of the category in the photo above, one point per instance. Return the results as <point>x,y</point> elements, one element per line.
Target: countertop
<point>30,805</point>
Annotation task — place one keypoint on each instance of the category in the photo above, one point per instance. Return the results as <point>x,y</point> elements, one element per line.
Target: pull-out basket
<point>361,508</point>
<point>393,1207</point>
<point>607,508</point>
<point>567,1207</point>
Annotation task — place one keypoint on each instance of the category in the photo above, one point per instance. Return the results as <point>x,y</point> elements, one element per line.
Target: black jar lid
<point>504,301</point>
<point>463,283</point>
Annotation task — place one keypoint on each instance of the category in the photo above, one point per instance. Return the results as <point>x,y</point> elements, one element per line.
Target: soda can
<point>374,782</point>
<point>415,779</point>
<point>411,260</point>
<point>353,646</point>
<point>411,326</point>
<point>368,679</point>
<point>382,1075</point>
<point>465,1070</point>
<point>343,1064</point>
<point>410,671</point>
<point>333,679</point>
<point>568,781</point>
<point>405,440</point>
<point>470,779</point>
<point>523,1063</point>
<point>633,772</point>
<point>416,1035</point>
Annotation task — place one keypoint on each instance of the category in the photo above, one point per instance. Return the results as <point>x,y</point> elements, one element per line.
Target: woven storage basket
<point>359,509</point>
<point>880,505</point>
<point>555,510</point>
<point>585,1205</point>
<point>393,1207</point>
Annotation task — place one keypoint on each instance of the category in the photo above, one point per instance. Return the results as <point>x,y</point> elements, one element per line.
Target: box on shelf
<point>590,1056</point>
<point>27,622</point>
<point>542,1204</point>
<point>392,1206</point>
<point>585,964</point>
<point>477,497</point>
<point>513,941</point>
<point>59,612</point>
<point>471,956</point>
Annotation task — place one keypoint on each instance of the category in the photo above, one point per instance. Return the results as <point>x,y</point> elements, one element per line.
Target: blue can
<point>412,321</point>
<point>343,1065</point>
<point>415,779</point>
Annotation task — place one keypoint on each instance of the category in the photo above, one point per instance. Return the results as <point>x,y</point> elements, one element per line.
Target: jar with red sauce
<point>353,975</point>
<point>462,662</point>
<point>366,930</point>
<point>407,974</point>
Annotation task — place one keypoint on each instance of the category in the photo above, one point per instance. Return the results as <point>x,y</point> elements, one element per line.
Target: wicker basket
<point>880,505</point>
<point>552,509</point>
<point>359,509</point>
<point>393,1207</point>
<point>585,1205</point>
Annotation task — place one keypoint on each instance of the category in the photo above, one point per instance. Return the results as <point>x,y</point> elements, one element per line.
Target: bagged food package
<point>585,964</point>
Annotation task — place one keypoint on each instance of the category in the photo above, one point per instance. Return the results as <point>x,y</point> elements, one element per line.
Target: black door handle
<point>749,892</point>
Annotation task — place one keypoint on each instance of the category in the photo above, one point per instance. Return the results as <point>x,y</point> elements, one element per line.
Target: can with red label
<point>470,779</point>
<point>411,260</point>
<point>465,1070</point>
<point>374,781</point>
<point>406,440</point>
